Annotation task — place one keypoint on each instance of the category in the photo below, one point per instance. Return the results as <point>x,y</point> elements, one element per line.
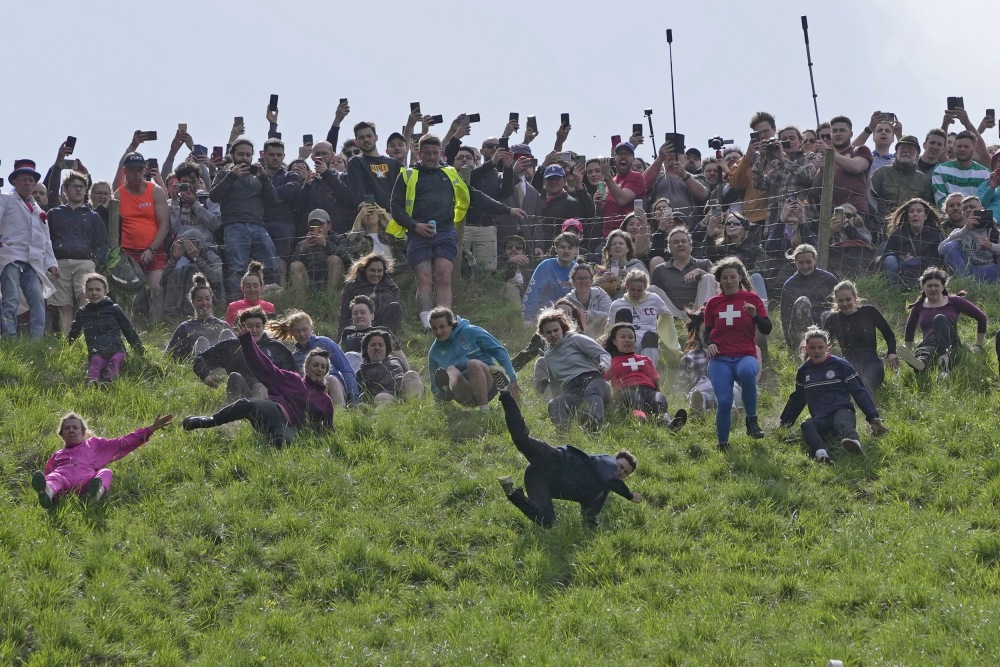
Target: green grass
<point>389,542</point>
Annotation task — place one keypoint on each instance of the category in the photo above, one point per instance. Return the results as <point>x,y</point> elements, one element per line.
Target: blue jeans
<point>243,239</point>
<point>955,258</point>
<point>906,270</point>
<point>722,372</point>
<point>20,277</point>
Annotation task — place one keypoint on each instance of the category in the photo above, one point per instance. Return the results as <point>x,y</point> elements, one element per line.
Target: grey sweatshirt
<point>575,355</point>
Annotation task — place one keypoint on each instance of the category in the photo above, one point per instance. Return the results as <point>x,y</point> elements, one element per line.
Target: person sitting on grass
<point>371,276</point>
<point>912,246</point>
<point>342,385</point>
<point>292,400</point>
<point>634,379</point>
<point>576,365</point>
<point>826,384</point>
<point>252,285</point>
<point>563,473</point>
<point>315,263</point>
<point>466,363</point>
<point>192,337</point>
<point>228,355</point>
<point>936,313</point>
<point>363,322</point>
<point>382,377</point>
<point>804,296</point>
<point>81,464</point>
<point>692,371</point>
<point>643,309</point>
<point>103,322</point>
<point>853,325</point>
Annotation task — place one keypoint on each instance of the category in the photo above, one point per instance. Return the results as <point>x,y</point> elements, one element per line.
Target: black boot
<point>192,422</point>
<point>753,428</point>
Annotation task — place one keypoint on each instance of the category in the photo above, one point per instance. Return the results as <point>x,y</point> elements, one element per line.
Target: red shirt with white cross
<point>632,370</point>
<point>732,330</point>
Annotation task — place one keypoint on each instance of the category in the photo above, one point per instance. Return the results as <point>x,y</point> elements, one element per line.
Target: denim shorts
<point>443,244</point>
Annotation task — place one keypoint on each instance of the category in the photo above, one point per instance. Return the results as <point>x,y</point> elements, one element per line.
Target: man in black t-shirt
<point>371,173</point>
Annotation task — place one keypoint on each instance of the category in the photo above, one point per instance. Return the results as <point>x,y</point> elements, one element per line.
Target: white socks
<point>425,318</point>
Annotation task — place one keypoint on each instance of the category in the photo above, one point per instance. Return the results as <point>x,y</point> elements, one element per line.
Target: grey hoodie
<point>575,355</point>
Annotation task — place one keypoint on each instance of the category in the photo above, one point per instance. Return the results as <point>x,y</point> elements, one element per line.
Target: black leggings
<point>265,417</point>
<point>842,424</point>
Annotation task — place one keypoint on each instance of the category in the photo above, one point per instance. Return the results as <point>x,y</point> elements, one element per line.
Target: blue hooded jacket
<point>467,341</point>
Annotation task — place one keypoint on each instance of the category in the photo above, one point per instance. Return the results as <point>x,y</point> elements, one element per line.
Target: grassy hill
<point>389,541</point>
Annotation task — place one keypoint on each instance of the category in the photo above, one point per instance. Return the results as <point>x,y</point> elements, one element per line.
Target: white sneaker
<point>507,484</point>
<point>906,354</point>
<point>852,445</point>
<point>943,366</point>
<point>425,319</point>
<point>822,456</point>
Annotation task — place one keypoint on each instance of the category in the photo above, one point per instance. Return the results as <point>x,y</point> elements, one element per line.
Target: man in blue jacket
<point>566,473</point>
<point>466,363</point>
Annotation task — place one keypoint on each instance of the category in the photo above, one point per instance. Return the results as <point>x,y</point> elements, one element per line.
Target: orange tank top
<point>138,216</point>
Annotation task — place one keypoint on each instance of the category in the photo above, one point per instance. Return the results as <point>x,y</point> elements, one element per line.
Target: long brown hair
<point>932,273</point>
<point>900,216</point>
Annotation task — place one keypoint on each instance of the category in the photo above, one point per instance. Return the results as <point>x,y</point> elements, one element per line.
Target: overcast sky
<point>102,69</point>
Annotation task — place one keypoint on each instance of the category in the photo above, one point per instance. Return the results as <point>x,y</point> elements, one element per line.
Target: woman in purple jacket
<point>292,399</point>
<point>936,313</point>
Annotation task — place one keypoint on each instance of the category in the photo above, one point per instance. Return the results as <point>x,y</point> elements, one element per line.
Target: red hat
<point>573,224</point>
<point>24,167</point>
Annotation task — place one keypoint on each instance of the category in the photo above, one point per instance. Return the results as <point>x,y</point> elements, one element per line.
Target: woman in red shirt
<point>732,320</point>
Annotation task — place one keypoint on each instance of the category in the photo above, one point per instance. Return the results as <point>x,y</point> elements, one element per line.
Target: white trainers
<point>822,456</point>
<point>852,445</point>
<point>906,354</point>
<point>425,320</point>
<point>943,366</point>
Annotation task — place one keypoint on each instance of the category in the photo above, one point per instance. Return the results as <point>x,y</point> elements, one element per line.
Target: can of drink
<point>434,225</point>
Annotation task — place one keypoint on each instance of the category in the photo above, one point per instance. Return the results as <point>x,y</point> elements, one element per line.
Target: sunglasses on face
<point>352,153</point>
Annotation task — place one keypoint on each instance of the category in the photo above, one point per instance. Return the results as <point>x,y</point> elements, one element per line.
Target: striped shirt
<point>948,177</point>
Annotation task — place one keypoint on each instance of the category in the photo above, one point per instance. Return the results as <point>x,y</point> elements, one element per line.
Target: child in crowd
<point>80,464</point>
<point>634,379</point>
<point>102,322</point>
<point>252,285</point>
<point>825,384</point>
<point>643,309</point>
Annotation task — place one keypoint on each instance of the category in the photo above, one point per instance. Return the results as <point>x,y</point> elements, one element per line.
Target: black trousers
<point>644,398</point>
<point>841,423</point>
<point>265,417</point>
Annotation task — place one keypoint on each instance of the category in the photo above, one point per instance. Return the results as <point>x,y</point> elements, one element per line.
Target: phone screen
<point>564,119</point>
<point>273,104</point>
<point>615,140</point>
<point>636,128</point>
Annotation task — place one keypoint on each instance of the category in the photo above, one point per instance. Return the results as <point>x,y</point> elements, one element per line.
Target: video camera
<point>717,142</point>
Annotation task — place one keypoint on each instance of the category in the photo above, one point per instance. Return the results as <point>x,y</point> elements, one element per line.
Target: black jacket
<point>103,324</point>
<point>229,355</point>
<point>382,294</point>
<point>380,377</point>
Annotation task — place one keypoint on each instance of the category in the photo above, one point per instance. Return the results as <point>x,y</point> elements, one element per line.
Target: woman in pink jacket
<point>80,465</point>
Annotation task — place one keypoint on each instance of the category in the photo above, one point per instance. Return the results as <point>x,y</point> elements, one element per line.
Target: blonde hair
<point>282,328</point>
<point>72,415</point>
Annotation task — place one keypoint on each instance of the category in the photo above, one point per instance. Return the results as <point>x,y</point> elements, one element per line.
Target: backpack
<point>124,272</point>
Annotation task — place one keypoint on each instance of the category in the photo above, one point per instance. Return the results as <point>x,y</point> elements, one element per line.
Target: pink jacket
<point>94,453</point>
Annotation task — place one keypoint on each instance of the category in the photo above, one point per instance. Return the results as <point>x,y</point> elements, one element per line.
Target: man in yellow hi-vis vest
<point>428,201</point>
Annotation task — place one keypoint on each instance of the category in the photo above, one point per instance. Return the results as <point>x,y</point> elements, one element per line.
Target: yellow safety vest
<point>410,176</point>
